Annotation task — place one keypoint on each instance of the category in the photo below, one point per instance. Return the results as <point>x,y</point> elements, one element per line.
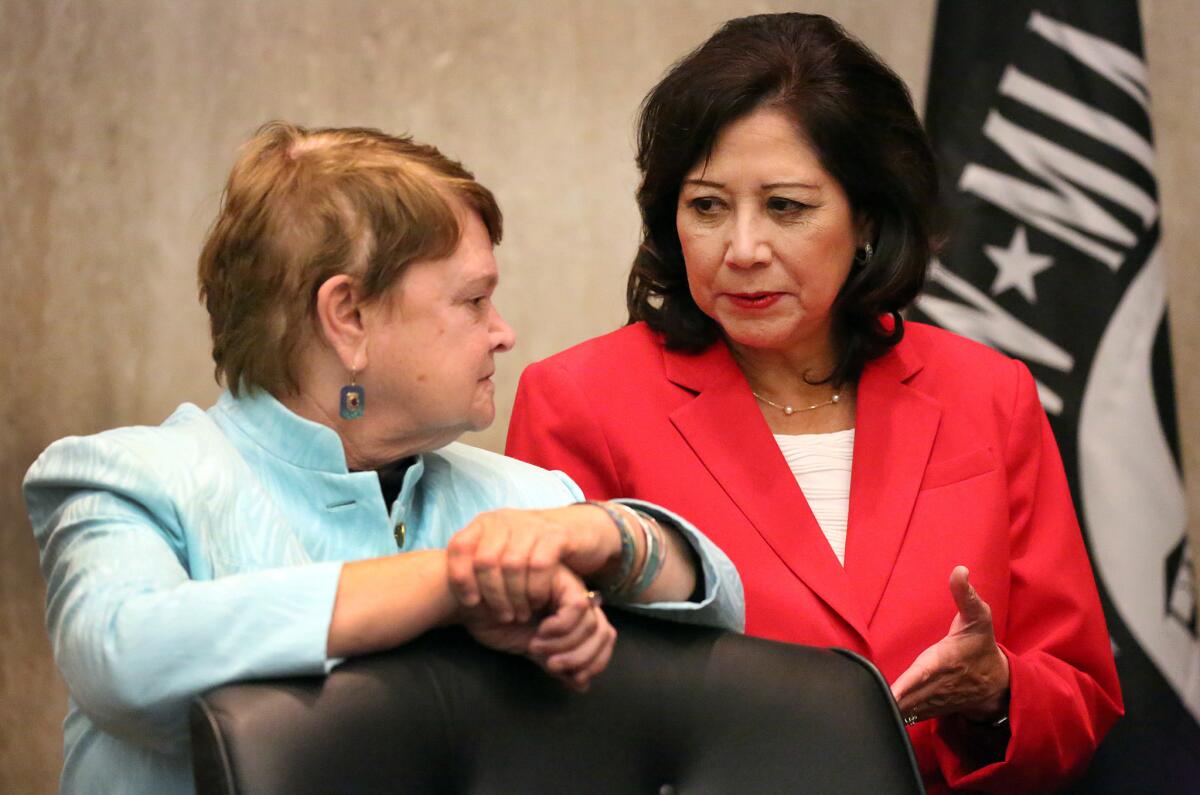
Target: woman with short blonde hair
<point>321,509</point>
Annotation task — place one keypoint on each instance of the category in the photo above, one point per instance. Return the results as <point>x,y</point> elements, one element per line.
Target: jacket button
<point>400,533</point>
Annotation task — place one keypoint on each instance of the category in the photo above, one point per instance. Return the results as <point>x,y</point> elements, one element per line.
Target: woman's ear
<point>865,228</point>
<point>340,321</point>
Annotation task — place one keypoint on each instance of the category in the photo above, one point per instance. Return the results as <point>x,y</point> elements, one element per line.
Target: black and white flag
<point>1039,112</point>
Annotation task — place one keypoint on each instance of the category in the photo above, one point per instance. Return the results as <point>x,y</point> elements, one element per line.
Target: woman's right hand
<point>506,560</point>
<point>573,642</point>
<point>965,672</point>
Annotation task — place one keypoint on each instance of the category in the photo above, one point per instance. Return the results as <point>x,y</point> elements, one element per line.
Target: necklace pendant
<point>788,410</point>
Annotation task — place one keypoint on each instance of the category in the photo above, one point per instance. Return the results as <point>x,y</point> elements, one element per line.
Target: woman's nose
<point>503,336</point>
<point>748,245</point>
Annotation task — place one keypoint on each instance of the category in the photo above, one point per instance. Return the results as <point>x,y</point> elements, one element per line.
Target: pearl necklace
<point>790,410</point>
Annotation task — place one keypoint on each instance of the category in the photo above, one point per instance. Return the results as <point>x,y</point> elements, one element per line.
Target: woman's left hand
<point>965,672</point>
<point>574,643</point>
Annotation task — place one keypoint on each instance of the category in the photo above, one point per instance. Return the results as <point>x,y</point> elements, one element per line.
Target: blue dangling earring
<point>352,401</point>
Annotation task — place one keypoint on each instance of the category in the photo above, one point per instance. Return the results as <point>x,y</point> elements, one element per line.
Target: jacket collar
<point>300,442</point>
<point>894,429</point>
<point>273,427</point>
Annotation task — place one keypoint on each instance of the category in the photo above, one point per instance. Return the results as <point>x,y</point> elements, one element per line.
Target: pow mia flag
<point>1039,112</point>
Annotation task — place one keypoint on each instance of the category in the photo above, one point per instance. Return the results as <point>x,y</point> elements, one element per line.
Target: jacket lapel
<point>895,426</point>
<point>726,430</point>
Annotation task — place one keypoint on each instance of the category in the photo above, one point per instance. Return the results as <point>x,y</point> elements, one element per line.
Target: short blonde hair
<point>302,206</point>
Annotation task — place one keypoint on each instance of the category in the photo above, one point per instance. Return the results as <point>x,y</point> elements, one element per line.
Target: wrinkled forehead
<point>474,256</point>
<point>470,268</point>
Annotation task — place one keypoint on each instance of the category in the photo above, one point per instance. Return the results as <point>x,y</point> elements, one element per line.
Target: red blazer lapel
<point>895,426</point>
<point>725,429</point>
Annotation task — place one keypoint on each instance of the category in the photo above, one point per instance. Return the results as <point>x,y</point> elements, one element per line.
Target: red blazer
<point>954,463</point>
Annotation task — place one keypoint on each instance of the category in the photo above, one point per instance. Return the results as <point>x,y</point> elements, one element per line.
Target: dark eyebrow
<point>707,183</point>
<point>774,185</point>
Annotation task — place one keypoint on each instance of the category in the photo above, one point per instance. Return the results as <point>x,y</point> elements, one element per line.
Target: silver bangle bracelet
<point>628,546</point>
<point>655,554</point>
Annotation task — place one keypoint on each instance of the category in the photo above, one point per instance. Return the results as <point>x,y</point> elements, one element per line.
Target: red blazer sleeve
<point>1064,690</point>
<point>554,427</point>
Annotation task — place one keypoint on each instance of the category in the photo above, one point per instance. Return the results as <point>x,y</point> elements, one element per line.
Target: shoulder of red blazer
<point>961,374</point>
<point>950,362</point>
<point>630,346</point>
<point>928,358</point>
<point>637,354</point>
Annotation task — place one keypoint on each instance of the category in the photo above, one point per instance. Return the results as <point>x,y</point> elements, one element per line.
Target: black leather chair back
<point>680,710</point>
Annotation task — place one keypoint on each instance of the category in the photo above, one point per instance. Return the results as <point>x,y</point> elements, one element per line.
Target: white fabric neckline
<point>801,437</point>
<point>821,464</point>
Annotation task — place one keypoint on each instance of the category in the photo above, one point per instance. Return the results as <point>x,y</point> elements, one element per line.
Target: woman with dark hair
<point>850,463</point>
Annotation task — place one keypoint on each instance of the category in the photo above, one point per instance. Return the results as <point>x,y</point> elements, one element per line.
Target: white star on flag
<point>1017,265</point>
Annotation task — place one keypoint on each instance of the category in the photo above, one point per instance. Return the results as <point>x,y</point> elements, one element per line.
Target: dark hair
<point>856,114</point>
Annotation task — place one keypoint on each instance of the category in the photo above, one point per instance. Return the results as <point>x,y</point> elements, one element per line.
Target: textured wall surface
<point>118,121</point>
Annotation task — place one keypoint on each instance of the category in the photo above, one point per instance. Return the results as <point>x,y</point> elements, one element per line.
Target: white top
<point>821,464</point>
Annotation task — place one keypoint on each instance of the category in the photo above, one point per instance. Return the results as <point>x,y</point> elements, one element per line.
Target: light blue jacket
<point>208,550</point>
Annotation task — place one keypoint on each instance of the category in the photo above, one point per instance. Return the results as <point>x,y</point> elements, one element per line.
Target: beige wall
<point>118,121</point>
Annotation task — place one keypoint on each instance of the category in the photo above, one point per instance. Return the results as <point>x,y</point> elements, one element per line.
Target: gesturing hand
<point>965,672</point>
<point>573,643</point>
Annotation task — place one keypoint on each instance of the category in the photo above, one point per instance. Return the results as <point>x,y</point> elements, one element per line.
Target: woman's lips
<point>753,300</point>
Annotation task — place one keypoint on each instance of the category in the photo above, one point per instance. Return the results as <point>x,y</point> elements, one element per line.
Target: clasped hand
<point>965,672</point>
<point>516,577</point>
